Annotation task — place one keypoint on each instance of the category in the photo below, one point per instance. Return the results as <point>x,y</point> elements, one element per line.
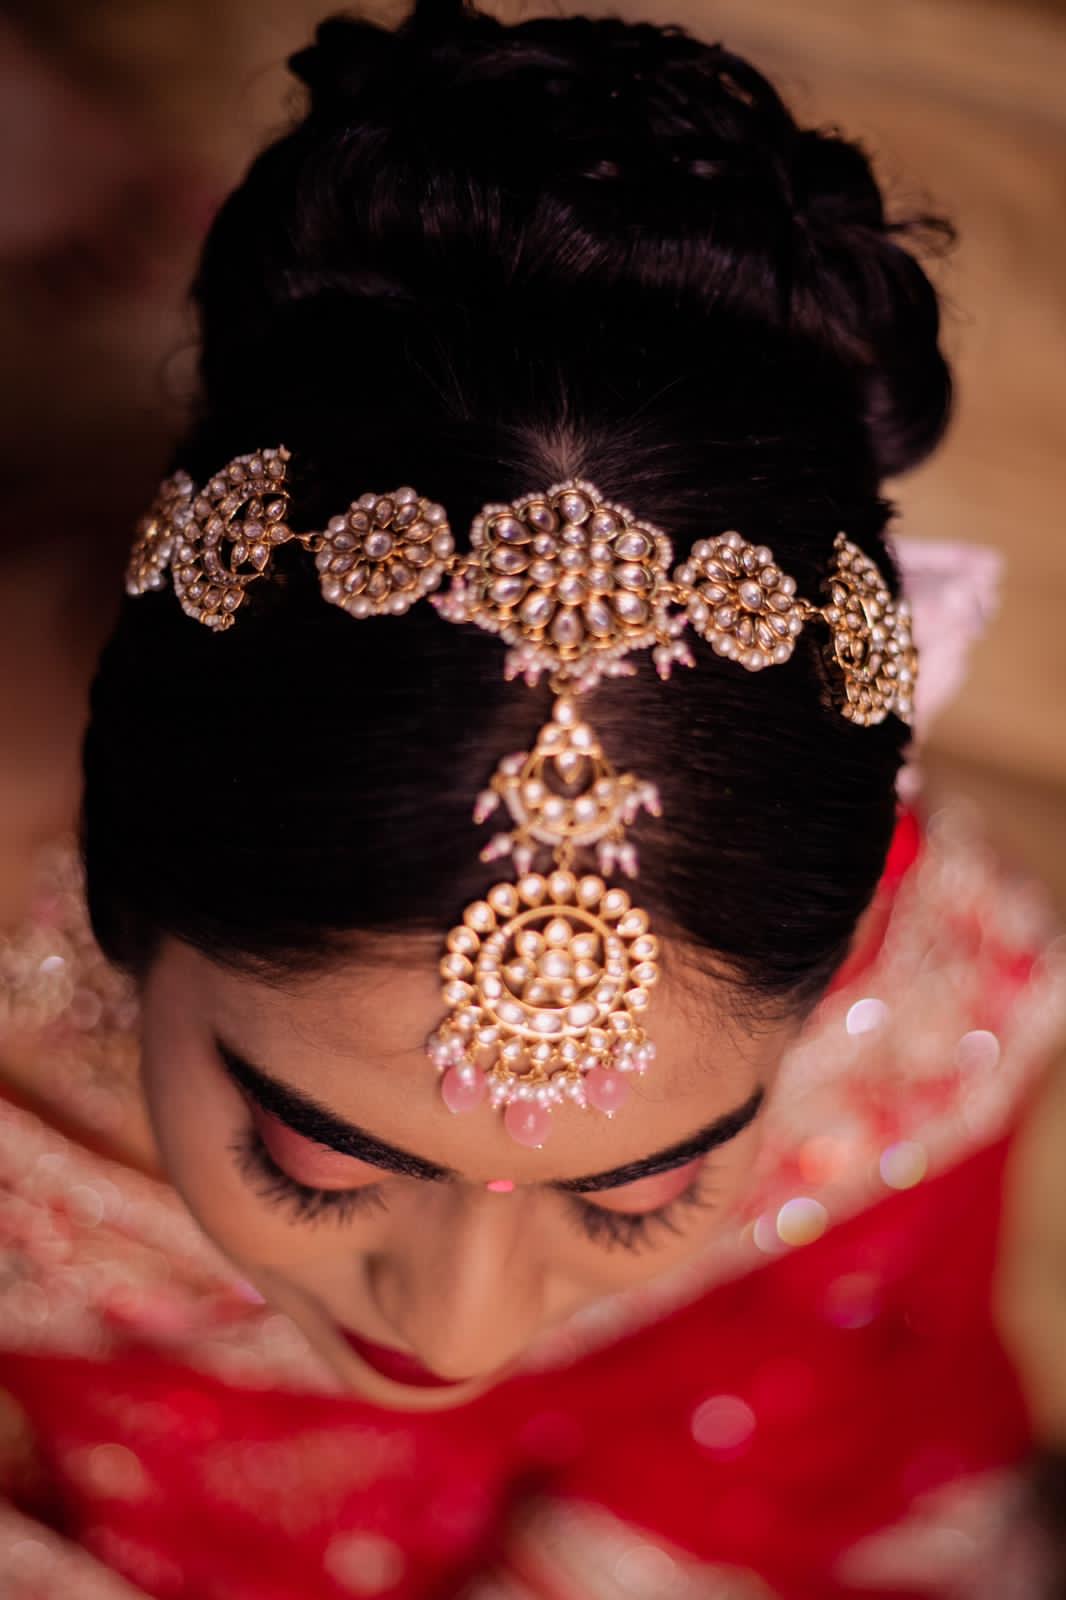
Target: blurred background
<point>123,122</point>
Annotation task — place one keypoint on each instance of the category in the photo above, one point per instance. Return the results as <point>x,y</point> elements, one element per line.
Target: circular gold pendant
<point>546,981</point>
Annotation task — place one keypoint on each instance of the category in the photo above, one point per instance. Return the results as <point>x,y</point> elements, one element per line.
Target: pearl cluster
<point>604,803</point>
<point>740,602</point>
<point>545,980</point>
<point>570,580</point>
<point>872,645</point>
<point>385,553</point>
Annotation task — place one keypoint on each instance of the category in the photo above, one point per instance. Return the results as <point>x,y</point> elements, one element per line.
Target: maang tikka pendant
<point>548,977</point>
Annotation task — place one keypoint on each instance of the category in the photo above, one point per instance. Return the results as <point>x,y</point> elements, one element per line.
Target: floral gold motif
<point>570,580</point>
<point>546,981</point>
<point>740,602</point>
<point>386,552</point>
<point>565,794</point>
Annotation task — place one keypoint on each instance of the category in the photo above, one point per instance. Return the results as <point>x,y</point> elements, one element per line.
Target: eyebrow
<point>313,1121</point>
<point>307,1117</point>
<point>716,1133</point>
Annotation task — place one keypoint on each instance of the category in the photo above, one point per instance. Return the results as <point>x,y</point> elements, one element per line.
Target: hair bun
<point>337,67</point>
<point>861,290</point>
<point>347,51</point>
<point>527,165</point>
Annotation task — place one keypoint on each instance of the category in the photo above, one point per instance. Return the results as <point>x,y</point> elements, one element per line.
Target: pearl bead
<point>574,506</point>
<point>511,530</point>
<point>596,612</point>
<point>630,607</point>
<point>571,590</point>
<point>505,591</point>
<point>509,559</point>
<point>536,609</point>
<point>582,1014</point>
<point>632,546</point>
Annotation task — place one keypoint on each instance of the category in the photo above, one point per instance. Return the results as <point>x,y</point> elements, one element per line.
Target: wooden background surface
<point>961,103</point>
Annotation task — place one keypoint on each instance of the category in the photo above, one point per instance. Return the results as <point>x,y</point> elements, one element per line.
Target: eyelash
<point>303,1202</point>
<point>609,1229</point>
<point>634,1230</point>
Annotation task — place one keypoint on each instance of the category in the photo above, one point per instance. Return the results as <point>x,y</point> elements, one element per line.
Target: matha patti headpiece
<point>546,979</point>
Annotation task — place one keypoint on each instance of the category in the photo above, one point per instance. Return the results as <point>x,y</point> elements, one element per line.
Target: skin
<point>463,1277</point>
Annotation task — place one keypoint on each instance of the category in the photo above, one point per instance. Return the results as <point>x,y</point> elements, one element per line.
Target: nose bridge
<point>459,1287</point>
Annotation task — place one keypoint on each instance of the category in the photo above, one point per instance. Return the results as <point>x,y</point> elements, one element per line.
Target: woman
<point>568,329</point>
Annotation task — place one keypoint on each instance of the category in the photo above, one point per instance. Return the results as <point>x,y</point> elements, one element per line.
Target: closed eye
<point>304,1202</point>
<point>306,1161</point>
<point>314,1182</point>
<point>614,1225</point>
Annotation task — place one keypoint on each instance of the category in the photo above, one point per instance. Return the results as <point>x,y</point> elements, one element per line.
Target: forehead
<point>353,1039</point>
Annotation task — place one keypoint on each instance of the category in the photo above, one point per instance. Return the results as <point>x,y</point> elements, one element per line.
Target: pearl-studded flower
<point>741,602</point>
<point>564,794</point>
<point>871,642</point>
<point>570,580</point>
<point>386,552</point>
<point>224,539</point>
<point>545,981</point>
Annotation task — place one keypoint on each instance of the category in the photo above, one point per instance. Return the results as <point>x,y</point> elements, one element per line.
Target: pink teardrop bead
<point>527,1123</point>
<point>605,1090</point>
<point>461,1093</point>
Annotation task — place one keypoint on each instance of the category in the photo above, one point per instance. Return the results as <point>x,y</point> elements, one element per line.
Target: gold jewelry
<point>546,980</point>
<point>872,642</point>
<point>215,542</point>
<point>386,552</point>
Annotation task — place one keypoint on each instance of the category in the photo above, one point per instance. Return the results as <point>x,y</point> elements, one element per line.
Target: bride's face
<point>303,1126</point>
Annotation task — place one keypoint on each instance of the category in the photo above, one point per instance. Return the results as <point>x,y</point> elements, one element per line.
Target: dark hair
<point>488,258</point>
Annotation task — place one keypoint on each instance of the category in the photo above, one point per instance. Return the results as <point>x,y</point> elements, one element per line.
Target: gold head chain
<point>546,979</point>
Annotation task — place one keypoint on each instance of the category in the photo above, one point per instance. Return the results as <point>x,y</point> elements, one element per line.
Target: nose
<point>459,1284</point>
